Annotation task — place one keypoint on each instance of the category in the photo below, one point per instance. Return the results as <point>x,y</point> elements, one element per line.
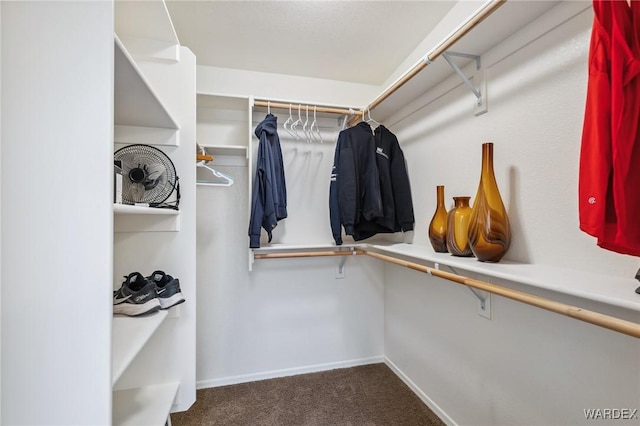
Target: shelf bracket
<point>479,92</point>
<point>484,308</point>
<point>343,260</point>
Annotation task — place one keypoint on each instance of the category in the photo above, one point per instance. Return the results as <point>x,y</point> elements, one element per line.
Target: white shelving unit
<point>147,53</point>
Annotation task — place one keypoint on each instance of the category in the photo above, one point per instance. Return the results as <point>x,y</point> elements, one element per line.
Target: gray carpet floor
<point>369,395</point>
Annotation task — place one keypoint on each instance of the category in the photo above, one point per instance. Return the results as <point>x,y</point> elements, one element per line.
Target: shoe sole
<point>134,310</point>
<point>166,303</point>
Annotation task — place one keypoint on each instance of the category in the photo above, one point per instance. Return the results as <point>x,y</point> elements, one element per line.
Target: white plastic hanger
<point>289,122</point>
<point>369,118</point>
<point>314,129</point>
<point>226,179</point>
<point>297,123</point>
<point>305,129</point>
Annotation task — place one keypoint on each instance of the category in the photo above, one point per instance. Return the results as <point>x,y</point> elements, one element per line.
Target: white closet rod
<point>480,15</point>
<point>318,108</point>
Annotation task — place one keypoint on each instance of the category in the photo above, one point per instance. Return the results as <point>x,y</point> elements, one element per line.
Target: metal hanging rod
<point>612,323</point>
<point>317,108</point>
<point>438,50</point>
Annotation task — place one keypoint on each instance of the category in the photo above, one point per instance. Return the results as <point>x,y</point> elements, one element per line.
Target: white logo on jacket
<point>379,151</point>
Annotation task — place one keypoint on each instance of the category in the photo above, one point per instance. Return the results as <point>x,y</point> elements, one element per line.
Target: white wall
<point>525,365</point>
<point>57,116</point>
<point>284,87</point>
<point>286,316</point>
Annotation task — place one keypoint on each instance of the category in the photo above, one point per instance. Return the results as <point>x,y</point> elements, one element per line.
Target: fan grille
<point>148,174</point>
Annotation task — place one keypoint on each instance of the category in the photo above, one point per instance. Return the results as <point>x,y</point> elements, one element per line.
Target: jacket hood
<point>269,125</point>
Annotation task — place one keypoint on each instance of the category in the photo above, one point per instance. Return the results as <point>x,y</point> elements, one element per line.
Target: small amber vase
<point>438,224</point>
<point>458,228</point>
<point>489,232</point>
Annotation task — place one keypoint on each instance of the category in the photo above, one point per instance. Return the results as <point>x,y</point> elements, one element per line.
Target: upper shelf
<point>135,102</point>
<point>217,101</point>
<point>511,17</point>
<point>587,285</point>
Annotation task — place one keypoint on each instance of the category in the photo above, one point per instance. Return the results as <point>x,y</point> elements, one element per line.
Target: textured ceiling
<point>355,41</point>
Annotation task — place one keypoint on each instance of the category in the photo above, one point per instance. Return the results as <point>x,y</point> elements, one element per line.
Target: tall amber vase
<point>458,228</point>
<point>489,232</point>
<point>438,224</point>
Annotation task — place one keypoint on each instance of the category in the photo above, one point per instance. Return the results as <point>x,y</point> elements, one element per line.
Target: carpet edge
<point>273,374</point>
<point>420,393</point>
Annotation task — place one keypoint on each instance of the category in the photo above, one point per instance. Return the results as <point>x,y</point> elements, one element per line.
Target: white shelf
<point>225,150</point>
<point>129,336</point>
<point>149,405</point>
<point>212,100</point>
<point>129,209</point>
<point>606,289</point>
<point>135,102</point>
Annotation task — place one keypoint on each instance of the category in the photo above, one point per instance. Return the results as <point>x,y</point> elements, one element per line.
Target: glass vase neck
<point>487,157</point>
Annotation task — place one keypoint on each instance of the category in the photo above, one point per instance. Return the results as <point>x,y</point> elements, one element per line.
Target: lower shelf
<point>129,336</point>
<point>149,405</point>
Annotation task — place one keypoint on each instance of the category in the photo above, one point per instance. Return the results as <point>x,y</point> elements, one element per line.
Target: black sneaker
<point>167,289</point>
<point>137,296</point>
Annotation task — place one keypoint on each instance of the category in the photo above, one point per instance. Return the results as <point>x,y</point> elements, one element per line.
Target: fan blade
<point>155,174</point>
<point>137,191</point>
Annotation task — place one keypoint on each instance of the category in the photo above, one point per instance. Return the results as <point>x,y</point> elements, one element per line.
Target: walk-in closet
<point>288,322</point>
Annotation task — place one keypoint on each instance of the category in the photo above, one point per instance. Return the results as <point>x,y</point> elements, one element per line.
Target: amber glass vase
<point>489,232</point>
<point>458,228</point>
<point>438,224</point>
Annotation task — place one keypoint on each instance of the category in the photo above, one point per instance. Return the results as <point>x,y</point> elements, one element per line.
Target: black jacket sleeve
<point>334,205</point>
<point>401,188</point>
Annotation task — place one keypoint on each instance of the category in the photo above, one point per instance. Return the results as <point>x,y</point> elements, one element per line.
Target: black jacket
<point>395,191</point>
<point>269,198</point>
<point>354,192</point>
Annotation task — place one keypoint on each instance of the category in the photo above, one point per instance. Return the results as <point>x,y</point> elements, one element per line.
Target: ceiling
<point>353,41</point>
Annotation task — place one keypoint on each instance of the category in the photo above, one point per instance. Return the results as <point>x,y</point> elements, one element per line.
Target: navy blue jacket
<point>354,192</point>
<point>269,198</point>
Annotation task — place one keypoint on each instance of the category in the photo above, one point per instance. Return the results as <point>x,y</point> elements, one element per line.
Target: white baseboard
<point>254,377</point>
<point>423,396</point>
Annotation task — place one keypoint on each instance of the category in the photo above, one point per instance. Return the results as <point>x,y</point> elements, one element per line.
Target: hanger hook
<point>268,107</point>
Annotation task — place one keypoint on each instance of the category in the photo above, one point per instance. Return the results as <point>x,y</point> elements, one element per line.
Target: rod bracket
<point>480,91</point>
<point>343,260</point>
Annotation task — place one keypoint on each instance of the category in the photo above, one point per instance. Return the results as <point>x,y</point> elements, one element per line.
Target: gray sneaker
<point>167,289</point>
<point>136,296</point>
